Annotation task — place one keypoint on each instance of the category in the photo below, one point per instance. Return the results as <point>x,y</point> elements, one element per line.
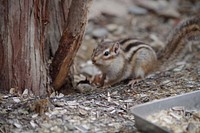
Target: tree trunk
<point>22,41</point>
<point>69,43</point>
<point>30,31</point>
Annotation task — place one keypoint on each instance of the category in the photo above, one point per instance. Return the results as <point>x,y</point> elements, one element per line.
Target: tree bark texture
<point>22,38</point>
<point>70,42</point>
<point>30,32</point>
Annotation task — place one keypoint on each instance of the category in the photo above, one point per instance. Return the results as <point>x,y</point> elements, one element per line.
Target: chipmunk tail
<point>185,31</point>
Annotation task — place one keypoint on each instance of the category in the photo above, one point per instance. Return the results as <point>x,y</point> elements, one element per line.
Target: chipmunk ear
<point>116,47</point>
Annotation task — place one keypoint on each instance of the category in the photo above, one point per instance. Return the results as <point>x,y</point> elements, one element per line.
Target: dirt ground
<point>99,110</point>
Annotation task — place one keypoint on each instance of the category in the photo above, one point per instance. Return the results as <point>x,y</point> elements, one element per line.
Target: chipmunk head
<point>104,54</point>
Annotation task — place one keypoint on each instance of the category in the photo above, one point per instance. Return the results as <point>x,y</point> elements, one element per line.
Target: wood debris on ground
<point>97,110</point>
<point>177,120</point>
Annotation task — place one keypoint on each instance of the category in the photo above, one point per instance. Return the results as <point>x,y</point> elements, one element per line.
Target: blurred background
<point>147,20</point>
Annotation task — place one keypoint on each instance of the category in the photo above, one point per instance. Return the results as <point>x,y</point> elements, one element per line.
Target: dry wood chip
<point>177,120</point>
<point>16,99</point>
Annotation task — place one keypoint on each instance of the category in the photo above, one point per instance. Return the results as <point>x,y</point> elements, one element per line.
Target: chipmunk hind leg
<point>138,77</point>
<point>139,74</point>
<point>144,63</point>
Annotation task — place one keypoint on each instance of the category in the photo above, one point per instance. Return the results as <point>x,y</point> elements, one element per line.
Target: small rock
<point>56,129</point>
<point>16,99</point>
<point>166,82</point>
<point>100,32</point>
<point>163,8</point>
<point>72,103</point>
<point>18,125</point>
<point>84,88</point>
<point>112,27</point>
<point>83,112</point>
<point>34,115</point>
<point>59,103</point>
<point>137,10</point>
<point>169,12</point>
<point>69,127</point>
<point>119,30</point>
<point>33,124</point>
<point>81,128</point>
<point>46,125</point>
<point>179,68</point>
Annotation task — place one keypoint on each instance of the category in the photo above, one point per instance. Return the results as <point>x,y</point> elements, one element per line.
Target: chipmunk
<point>132,58</point>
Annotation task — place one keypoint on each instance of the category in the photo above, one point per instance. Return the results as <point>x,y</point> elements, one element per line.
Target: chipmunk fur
<point>132,58</point>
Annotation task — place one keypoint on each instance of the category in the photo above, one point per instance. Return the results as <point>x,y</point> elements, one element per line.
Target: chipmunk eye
<point>106,53</point>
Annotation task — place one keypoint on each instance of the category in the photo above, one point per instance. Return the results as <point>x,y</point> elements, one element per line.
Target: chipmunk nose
<point>93,60</point>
